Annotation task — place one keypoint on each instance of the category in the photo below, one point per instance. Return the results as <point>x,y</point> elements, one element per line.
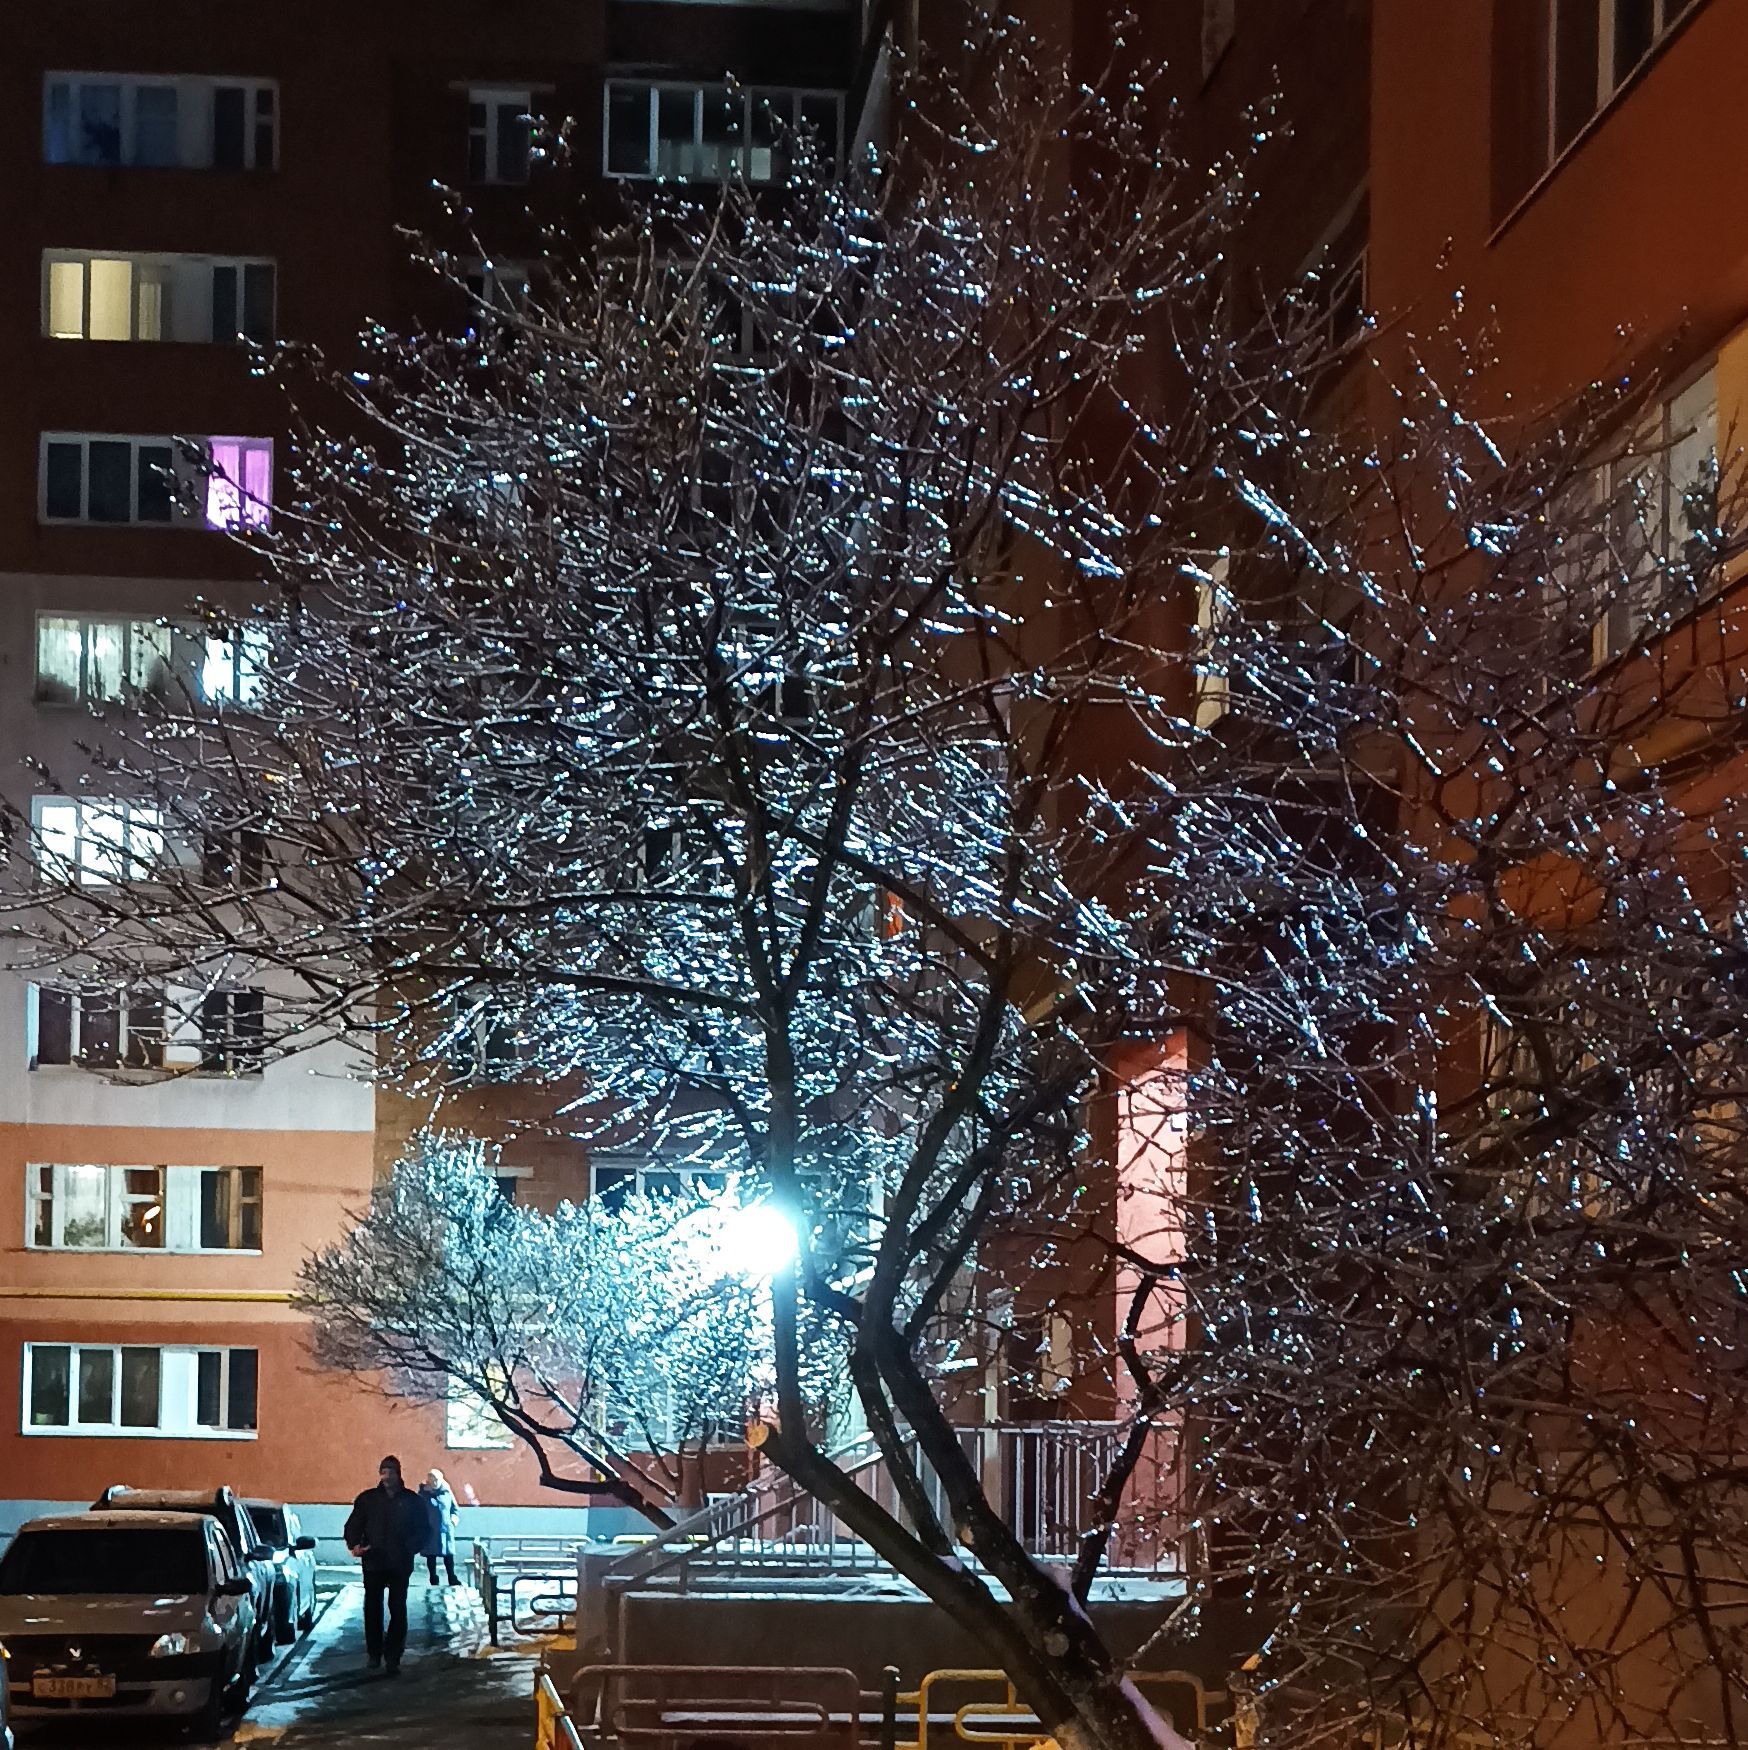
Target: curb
<point>299,1650</point>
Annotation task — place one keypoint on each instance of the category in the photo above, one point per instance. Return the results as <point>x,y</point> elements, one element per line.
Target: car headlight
<point>172,1645</point>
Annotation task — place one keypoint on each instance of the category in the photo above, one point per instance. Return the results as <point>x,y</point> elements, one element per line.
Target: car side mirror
<point>235,1587</point>
<point>305,1543</point>
<point>260,1553</point>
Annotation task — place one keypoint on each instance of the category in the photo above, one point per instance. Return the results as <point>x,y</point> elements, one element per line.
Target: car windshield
<point>151,1562</point>
<point>269,1522</point>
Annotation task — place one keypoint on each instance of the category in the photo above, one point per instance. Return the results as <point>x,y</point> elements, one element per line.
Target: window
<point>229,1207</point>
<point>470,1426</point>
<point>499,134</point>
<point>503,285</point>
<point>138,121</point>
<point>1213,620</point>
<point>711,133</point>
<point>108,479</point>
<point>232,1031</point>
<point>155,297</point>
<point>96,1027</point>
<point>158,480</point>
<point>104,1388</point>
<point>126,1209</point>
<point>225,1389</point>
<point>101,1209</point>
<point>91,659</point>
<point>97,842</point>
<point>1556,65</point>
<point>1662,496</point>
<point>614,1180</point>
<point>239,490</point>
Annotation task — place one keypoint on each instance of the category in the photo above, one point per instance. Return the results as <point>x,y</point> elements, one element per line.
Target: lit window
<point>200,298</point>
<point>107,1388</point>
<point>90,1208</point>
<point>96,842</point>
<point>148,121</point>
<point>1213,621</point>
<point>712,133</point>
<point>124,1209</point>
<point>499,134</point>
<point>470,1426</point>
<point>239,490</point>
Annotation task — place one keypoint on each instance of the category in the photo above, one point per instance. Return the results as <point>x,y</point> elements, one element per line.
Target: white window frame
<point>80,1000</point>
<point>494,99</point>
<point>190,480</point>
<point>180,1190</point>
<point>213,669</point>
<point>689,1179</point>
<point>1214,609</point>
<point>172,275</point>
<point>791,95</point>
<point>180,516</point>
<point>196,117</point>
<point>1666,15</point>
<point>48,1183</point>
<point>109,840</point>
<point>178,1404</point>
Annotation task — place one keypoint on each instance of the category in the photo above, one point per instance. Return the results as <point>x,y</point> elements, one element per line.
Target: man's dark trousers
<point>389,1584</point>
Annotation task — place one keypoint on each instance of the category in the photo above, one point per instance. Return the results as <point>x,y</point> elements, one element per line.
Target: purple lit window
<point>239,491</point>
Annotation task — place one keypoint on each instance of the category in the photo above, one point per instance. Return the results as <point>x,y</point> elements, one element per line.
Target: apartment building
<point>180,183</point>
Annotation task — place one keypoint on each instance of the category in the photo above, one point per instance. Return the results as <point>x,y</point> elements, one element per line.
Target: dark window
<point>264,118</point>
<point>209,1376</point>
<point>614,1184</point>
<point>628,131</point>
<point>100,1031</point>
<point>155,141</point>
<point>258,301</point>
<point>227,127</point>
<point>269,1523</point>
<point>476,142</point>
<point>512,144</point>
<point>150,1562</point>
<point>51,1378</point>
<point>157,502</point>
<point>231,1031</point>
<point>111,469</point>
<point>139,1388</point>
<point>96,1385</point>
<point>99,124</point>
<point>54,1026</point>
<point>224,303</point>
<point>65,487</point>
<point>240,1399</point>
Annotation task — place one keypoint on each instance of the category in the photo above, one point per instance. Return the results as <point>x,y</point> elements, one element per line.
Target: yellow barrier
<point>979,1721</point>
<point>553,1727</point>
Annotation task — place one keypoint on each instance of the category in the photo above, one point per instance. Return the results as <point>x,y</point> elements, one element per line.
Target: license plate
<point>72,1688</point>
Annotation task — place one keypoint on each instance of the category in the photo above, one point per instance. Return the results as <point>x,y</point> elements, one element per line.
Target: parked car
<point>221,1504</point>
<point>128,1614</point>
<point>294,1567</point>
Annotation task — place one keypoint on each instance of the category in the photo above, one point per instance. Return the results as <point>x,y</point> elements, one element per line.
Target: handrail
<point>554,1729</point>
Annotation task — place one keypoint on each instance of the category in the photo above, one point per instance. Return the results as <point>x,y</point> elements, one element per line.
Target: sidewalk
<point>453,1693</point>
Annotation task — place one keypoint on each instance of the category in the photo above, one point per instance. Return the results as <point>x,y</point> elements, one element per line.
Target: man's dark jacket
<point>392,1527</point>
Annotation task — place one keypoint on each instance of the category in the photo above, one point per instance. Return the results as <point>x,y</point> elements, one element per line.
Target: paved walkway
<point>453,1692</point>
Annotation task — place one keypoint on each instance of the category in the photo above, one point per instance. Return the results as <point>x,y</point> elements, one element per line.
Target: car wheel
<point>284,1629</point>
<point>209,1724</point>
<point>307,1621</point>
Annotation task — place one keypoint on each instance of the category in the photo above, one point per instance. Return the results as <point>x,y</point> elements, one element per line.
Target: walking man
<point>386,1529</point>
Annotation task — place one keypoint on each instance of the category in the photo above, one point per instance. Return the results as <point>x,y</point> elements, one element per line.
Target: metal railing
<point>1042,1477</point>
<point>528,1582</point>
<point>554,1729</point>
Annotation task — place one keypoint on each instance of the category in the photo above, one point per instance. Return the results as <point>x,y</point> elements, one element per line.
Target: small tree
<point>628,1337</point>
<point>766,690</point>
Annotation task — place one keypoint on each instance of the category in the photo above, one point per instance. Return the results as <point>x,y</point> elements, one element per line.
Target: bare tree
<point>763,693</point>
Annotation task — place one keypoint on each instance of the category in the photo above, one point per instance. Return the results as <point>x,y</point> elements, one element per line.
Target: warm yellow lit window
<point>112,300</point>
<point>67,300</point>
